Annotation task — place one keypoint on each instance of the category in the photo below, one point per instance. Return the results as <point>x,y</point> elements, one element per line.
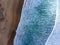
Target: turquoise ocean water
<point>37,22</point>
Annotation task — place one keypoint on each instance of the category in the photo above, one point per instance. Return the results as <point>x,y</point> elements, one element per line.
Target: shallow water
<point>37,22</point>
<point>54,38</point>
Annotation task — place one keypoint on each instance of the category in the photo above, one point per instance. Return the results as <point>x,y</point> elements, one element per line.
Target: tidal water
<point>54,38</point>
<point>37,22</point>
